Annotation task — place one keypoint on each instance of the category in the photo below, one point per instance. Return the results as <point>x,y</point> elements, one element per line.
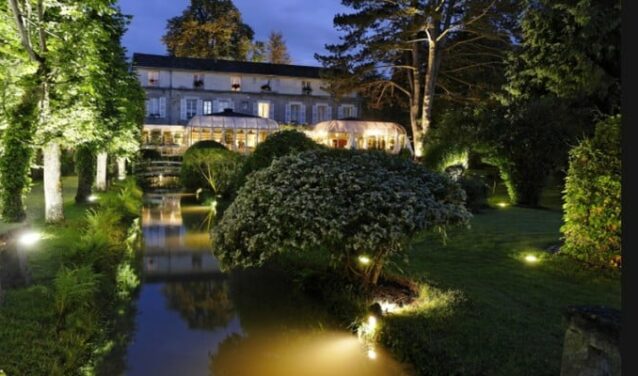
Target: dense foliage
<point>592,228</point>
<point>276,49</point>
<point>66,322</point>
<point>350,203</point>
<point>276,145</point>
<point>209,29</point>
<point>210,166</point>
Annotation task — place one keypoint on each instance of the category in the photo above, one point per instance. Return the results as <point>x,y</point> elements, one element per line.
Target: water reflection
<point>194,320</point>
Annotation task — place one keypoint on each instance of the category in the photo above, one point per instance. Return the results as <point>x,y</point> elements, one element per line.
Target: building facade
<point>179,89</point>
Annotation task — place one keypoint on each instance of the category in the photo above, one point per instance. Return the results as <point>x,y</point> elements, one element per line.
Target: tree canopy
<point>210,29</point>
<point>277,51</point>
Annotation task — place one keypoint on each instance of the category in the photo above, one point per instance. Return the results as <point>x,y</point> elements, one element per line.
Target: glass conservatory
<point>236,131</point>
<point>359,134</point>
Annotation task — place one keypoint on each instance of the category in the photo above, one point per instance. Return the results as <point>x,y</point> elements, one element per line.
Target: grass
<point>509,319</point>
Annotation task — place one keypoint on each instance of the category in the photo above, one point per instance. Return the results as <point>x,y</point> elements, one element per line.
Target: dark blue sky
<point>306,24</point>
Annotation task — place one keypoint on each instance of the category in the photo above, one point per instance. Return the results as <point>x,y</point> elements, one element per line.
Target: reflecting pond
<point>192,319</point>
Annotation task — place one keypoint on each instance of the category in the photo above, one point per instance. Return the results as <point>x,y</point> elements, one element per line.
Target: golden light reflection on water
<point>306,353</point>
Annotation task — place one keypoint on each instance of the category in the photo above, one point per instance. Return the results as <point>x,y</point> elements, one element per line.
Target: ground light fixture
<point>531,259</point>
<point>93,198</point>
<point>502,204</point>
<point>372,354</point>
<point>29,238</point>
<point>364,260</point>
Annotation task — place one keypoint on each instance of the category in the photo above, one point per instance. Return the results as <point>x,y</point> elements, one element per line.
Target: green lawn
<point>509,319</point>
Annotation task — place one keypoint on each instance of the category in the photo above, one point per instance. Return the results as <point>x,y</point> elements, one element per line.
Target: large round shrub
<point>210,167</point>
<point>351,203</point>
<point>276,145</point>
<point>592,228</point>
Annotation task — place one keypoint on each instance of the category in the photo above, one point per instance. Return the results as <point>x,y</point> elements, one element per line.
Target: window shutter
<point>162,107</point>
<point>147,104</point>
<point>271,110</point>
<point>340,112</point>
<point>329,113</point>
<point>287,118</point>
<point>256,108</point>
<point>200,107</point>
<point>215,106</point>
<point>354,111</point>
<point>182,109</point>
<point>302,114</point>
<point>315,114</point>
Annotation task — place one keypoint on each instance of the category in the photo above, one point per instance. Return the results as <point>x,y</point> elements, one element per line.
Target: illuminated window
<point>191,108</point>
<point>208,107</point>
<point>235,83</point>
<point>263,109</point>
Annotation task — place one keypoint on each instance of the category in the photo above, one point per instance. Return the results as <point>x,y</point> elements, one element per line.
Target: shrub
<point>352,203</point>
<point>476,191</point>
<point>125,199</point>
<point>592,228</point>
<point>276,145</point>
<point>213,168</point>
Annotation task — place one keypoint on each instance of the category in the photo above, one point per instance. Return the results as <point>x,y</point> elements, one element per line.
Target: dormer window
<point>306,88</point>
<point>153,78</point>
<point>266,87</point>
<point>198,80</point>
<point>235,83</point>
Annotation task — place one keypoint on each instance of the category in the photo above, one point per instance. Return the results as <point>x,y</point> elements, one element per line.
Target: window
<point>224,104</point>
<point>153,78</point>
<point>306,88</point>
<point>235,83</point>
<point>322,113</point>
<point>348,111</point>
<point>191,108</point>
<point>198,80</point>
<point>295,113</point>
<point>208,107</point>
<point>156,107</point>
<point>244,106</point>
<point>263,109</point>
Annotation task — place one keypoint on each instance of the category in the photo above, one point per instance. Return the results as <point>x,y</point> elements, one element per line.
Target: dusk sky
<point>306,24</point>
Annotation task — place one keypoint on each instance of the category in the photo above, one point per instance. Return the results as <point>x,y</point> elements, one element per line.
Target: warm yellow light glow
<point>93,198</point>
<point>372,322</point>
<point>365,260</point>
<point>372,354</point>
<point>502,204</point>
<point>388,307</point>
<point>30,238</point>
<point>531,258</point>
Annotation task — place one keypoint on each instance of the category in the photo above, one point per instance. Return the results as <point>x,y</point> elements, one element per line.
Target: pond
<point>192,319</point>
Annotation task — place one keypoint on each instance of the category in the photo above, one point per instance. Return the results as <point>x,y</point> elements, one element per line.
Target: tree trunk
<point>431,74</point>
<point>121,168</point>
<point>85,168</point>
<point>100,179</point>
<point>415,101</point>
<point>53,201</point>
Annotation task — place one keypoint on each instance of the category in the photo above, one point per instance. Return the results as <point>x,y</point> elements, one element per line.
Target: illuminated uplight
<point>365,260</point>
<point>502,204</point>
<point>531,259</point>
<point>387,307</point>
<point>93,198</point>
<point>372,354</point>
<point>29,238</point>
<point>372,322</point>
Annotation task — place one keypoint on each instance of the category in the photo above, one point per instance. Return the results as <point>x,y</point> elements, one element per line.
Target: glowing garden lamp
<point>372,322</point>
<point>531,259</point>
<point>93,198</point>
<point>29,238</point>
<point>502,204</point>
<point>372,354</point>
<point>364,260</point>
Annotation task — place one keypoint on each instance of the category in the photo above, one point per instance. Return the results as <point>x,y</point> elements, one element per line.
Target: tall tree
<point>404,47</point>
<point>277,49</point>
<point>258,52</point>
<point>209,29</point>
<point>64,41</point>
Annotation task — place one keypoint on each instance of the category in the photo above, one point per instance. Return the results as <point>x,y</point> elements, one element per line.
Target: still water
<point>193,319</point>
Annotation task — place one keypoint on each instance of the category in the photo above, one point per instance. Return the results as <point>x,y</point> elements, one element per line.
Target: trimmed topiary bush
<point>276,145</point>
<point>351,203</point>
<point>476,191</point>
<point>592,228</point>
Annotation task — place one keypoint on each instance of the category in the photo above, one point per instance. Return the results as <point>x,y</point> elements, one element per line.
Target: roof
<point>187,63</point>
<point>358,126</point>
<point>233,120</point>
